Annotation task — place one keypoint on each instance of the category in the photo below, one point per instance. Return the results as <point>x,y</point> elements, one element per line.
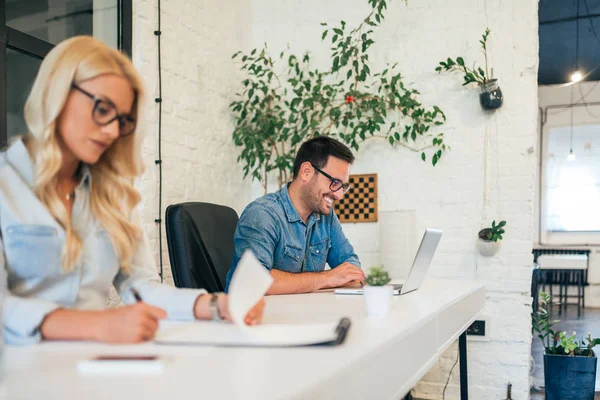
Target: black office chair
<point>200,240</point>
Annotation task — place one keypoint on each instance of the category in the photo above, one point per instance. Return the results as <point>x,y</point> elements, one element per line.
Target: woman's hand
<point>202,310</point>
<point>130,324</point>
<point>253,317</point>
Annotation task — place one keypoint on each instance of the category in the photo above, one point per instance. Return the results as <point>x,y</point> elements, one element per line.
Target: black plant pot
<point>491,95</point>
<point>569,377</point>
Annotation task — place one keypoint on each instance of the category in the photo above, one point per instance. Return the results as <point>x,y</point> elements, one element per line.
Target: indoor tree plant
<point>378,294</point>
<point>491,95</point>
<point>488,239</point>
<point>286,101</point>
<point>569,363</point>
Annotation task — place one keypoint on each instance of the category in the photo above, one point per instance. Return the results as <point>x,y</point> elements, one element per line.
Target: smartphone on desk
<point>120,364</point>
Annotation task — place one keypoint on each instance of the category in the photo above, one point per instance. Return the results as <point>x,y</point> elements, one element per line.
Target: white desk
<point>382,358</point>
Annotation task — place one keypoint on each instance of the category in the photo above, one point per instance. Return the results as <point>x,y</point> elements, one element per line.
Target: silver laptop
<point>418,270</point>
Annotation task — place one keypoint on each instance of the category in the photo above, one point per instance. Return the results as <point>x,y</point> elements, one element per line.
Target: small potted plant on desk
<point>569,364</point>
<point>378,294</point>
<point>488,241</point>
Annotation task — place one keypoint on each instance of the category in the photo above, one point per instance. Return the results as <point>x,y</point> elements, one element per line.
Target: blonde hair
<point>113,195</point>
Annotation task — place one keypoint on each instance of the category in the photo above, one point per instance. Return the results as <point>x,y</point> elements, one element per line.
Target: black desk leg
<point>462,351</point>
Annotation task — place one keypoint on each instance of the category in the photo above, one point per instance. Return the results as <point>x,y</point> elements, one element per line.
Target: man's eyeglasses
<point>335,184</point>
<point>104,112</point>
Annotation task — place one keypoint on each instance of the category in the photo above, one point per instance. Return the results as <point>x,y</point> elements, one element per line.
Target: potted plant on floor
<point>488,241</point>
<point>569,363</point>
<point>491,95</point>
<point>378,294</point>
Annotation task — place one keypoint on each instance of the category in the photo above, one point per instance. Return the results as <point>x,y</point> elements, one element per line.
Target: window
<point>571,185</point>
<point>30,29</point>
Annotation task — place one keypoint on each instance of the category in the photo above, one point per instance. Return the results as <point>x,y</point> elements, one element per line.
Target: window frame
<point>38,48</point>
<point>558,237</point>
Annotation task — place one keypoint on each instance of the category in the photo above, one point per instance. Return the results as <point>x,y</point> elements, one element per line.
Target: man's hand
<point>345,274</point>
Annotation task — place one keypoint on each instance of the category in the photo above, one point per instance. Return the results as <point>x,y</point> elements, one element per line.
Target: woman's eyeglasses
<point>335,184</point>
<point>104,112</point>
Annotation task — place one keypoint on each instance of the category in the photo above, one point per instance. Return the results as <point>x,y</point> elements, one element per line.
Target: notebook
<point>249,283</point>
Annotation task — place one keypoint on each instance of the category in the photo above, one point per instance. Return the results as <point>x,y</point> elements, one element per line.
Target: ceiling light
<point>571,156</point>
<point>576,77</point>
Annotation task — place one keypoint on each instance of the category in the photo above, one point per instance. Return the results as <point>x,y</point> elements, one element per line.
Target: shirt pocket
<point>318,255</point>
<point>103,253</point>
<point>292,259</point>
<point>33,251</point>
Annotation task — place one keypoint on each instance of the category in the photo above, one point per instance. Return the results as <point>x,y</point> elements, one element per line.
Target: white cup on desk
<point>378,299</point>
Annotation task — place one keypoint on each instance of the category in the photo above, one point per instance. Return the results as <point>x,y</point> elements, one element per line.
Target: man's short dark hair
<point>317,151</point>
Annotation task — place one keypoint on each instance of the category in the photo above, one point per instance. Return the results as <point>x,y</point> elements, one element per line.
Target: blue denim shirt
<point>30,252</point>
<point>272,228</point>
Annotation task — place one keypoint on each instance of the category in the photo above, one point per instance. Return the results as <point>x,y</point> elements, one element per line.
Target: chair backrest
<point>200,240</point>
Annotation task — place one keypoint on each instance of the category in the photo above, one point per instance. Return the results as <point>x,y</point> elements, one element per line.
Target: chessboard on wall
<point>359,204</point>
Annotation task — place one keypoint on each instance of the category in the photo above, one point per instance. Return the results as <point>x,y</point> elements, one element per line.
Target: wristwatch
<point>214,307</point>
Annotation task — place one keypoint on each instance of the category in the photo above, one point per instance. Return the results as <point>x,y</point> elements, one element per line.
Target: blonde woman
<point>67,210</point>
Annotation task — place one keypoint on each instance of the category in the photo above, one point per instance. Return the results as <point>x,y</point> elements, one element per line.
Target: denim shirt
<point>31,245</point>
<point>272,228</point>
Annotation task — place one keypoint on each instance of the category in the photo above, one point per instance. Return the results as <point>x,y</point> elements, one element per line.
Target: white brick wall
<point>198,83</point>
<point>199,161</point>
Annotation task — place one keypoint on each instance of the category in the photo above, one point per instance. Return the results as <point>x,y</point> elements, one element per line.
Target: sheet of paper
<point>248,285</point>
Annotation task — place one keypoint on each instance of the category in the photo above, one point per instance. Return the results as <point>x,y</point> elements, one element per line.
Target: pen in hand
<point>136,294</point>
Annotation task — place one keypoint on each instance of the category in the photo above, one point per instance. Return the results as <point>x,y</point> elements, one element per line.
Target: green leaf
<point>338,31</point>
<point>336,63</point>
<point>481,72</point>
<point>391,140</point>
<point>324,35</point>
<point>460,61</point>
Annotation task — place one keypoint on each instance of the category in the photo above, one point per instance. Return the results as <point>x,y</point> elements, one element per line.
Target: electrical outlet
<point>477,328</point>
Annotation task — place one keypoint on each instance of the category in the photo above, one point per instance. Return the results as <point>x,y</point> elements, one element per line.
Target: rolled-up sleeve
<point>177,302</point>
<point>341,249</point>
<point>22,317</point>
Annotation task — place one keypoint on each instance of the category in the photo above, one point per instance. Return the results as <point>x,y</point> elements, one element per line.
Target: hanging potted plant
<point>488,241</point>
<point>378,294</point>
<point>569,364</point>
<point>490,95</point>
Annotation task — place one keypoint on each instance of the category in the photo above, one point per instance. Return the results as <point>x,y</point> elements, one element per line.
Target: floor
<point>569,322</point>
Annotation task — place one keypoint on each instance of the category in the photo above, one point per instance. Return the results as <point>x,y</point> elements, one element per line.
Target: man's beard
<point>313,200</point>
